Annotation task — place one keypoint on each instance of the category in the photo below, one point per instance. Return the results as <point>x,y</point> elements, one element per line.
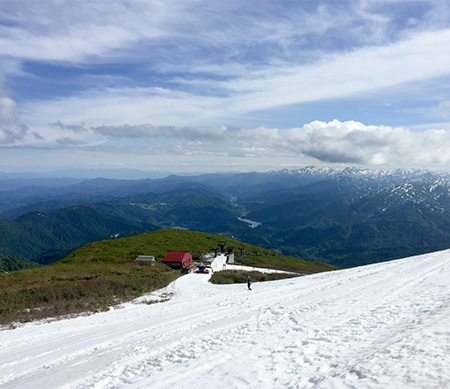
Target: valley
<point>346,217</point>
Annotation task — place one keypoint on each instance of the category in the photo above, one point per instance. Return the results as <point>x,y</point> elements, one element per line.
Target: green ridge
<point>105,273</point>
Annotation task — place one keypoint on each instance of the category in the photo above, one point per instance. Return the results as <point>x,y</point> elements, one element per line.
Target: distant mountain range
<point>346,217</point>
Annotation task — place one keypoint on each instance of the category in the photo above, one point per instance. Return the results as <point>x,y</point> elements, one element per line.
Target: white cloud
<point>125,106</point>
<point>68,142</point>
<point>77,128</point>
<point>444,109</point>
<point>196,149</point>
<point>7,109</point>
<point>417,59</point>
<point>10,133</point>
<point>329,143</point>
<point>190,68</point>
<point>10,130</point>
<point>220,33</point>
<point>70,32</point>
<point>74,47</point>
<point>212,102</point>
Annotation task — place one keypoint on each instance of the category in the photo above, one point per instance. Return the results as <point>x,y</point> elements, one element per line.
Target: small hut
<point>178,259</point>
<point>146,259</point>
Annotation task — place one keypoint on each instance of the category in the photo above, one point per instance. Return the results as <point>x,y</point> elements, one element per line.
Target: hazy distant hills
<point>346,217</point>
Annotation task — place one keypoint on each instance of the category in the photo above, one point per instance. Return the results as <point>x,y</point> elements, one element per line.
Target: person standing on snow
<point>249,283</point>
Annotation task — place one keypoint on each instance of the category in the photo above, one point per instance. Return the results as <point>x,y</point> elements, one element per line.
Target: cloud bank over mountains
<point>264,83</point>
<point>318,142</point>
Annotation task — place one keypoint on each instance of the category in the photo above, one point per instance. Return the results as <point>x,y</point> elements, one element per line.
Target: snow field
<point>377,326</point>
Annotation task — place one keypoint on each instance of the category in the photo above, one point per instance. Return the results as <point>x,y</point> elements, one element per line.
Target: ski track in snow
<point>377,326</point>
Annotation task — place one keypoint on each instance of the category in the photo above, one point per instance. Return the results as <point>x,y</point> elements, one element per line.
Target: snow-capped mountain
<point>311,174</point>
<point>392,199</point>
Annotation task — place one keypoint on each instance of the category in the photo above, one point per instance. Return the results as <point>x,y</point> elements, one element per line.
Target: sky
<point>241,85</point>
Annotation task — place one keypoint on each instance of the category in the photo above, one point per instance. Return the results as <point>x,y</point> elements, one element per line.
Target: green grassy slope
<point>105,273</point>
<point>67,288</point>
<point>157,243</point>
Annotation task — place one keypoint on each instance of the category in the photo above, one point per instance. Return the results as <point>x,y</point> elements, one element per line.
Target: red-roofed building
<point>178,259</point>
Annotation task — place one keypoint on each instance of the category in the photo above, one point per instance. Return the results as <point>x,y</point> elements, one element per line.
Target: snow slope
<point>385,325</point>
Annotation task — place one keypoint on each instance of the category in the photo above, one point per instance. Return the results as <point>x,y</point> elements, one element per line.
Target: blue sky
<point>204,86</point>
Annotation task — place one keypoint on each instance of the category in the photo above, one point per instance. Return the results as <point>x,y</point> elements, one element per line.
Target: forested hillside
<point>48,236</point>
<point>345,217</point>
<point>11,264</point>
